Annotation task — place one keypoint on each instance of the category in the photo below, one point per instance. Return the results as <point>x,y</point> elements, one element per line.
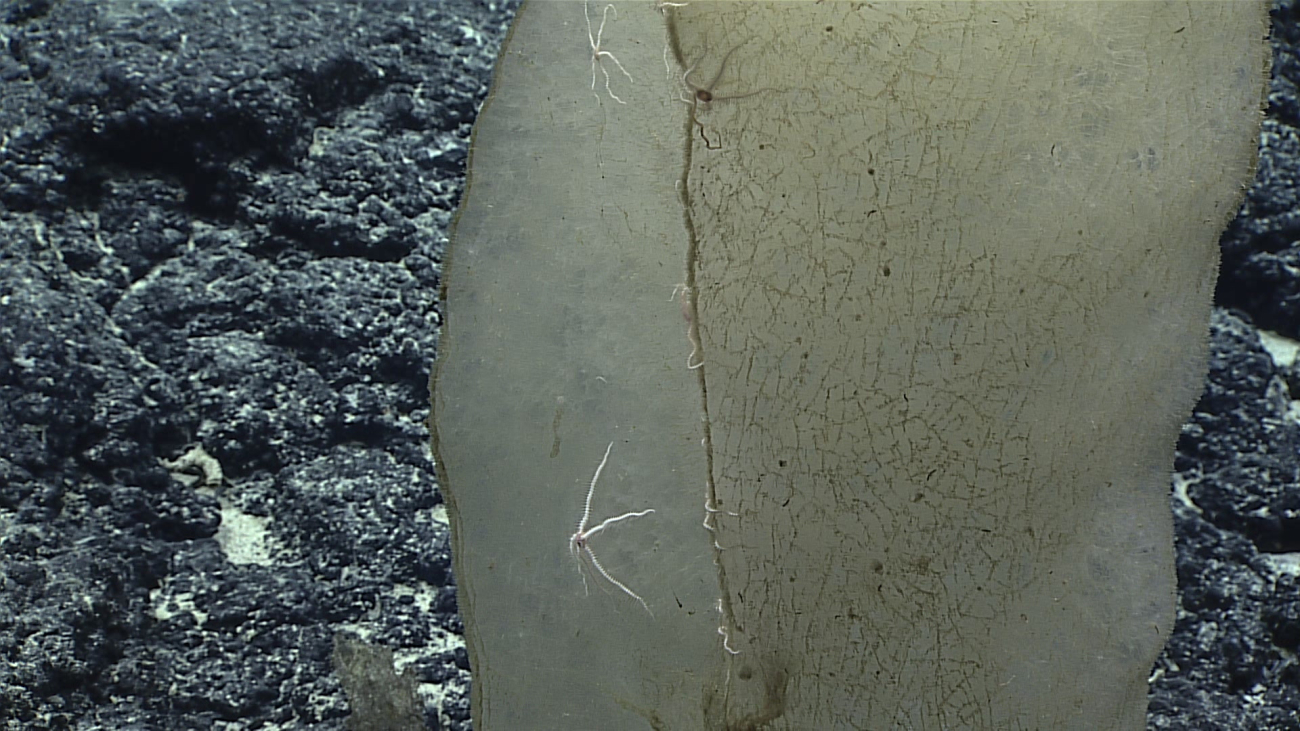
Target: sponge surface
<point>892,312</point>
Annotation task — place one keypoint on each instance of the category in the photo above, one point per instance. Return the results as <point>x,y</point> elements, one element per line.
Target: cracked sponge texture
<point>947,268</point>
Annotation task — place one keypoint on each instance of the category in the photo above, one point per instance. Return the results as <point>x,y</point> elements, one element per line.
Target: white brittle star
<point>598,52</point>
<point>578,542</point>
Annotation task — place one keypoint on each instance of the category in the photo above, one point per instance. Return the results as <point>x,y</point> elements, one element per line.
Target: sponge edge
<point>949,270</point>
<point>381,700</point>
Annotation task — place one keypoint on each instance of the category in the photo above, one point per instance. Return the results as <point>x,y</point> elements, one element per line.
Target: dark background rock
<point>222,226</point>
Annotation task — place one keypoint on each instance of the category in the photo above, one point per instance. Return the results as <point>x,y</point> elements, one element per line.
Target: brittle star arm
<point>586,552</point>
<point>611,521</point>
<point>591,489</point>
